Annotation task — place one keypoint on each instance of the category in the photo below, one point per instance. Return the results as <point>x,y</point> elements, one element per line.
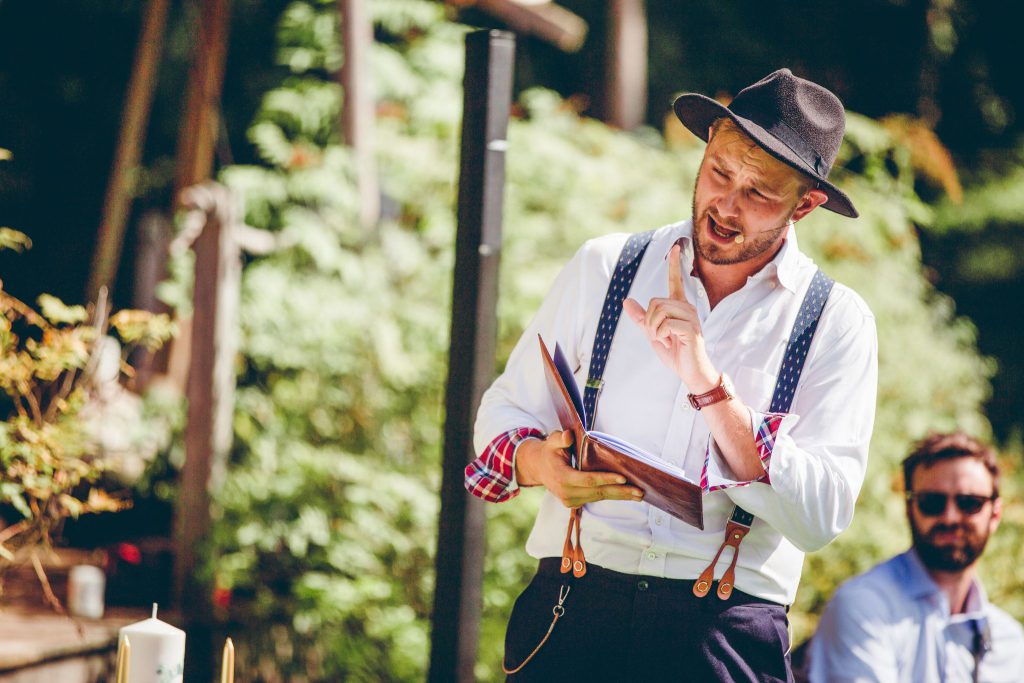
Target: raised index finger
<point>675,275</point>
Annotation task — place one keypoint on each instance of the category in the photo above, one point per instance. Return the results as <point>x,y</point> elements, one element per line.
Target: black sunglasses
<point>933,503</point>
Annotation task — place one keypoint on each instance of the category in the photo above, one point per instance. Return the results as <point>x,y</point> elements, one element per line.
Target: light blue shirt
<point>893,624</point>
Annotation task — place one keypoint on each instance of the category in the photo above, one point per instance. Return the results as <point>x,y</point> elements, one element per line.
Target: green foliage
<point>48,366</point>
<point>327,523</point>
<point>980,239</point>
<point>345,590</point>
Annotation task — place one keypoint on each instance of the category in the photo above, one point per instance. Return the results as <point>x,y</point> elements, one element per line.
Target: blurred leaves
<point>143,328</point>
<point>50,461</point>
<point>57,312</point>
<point>14,240</point>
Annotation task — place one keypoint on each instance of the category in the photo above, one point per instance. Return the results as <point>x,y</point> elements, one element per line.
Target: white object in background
<point>85,591</point>
<point>157,651</point>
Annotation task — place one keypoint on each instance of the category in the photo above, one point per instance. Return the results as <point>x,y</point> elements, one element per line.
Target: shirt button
<point>641,585</point>
<point>652,556</point>
<point>657,520</point>
<point>771,285</point>
<point>700,293</point>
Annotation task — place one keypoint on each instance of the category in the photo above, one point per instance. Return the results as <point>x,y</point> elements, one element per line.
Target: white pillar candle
<point>157,651</point>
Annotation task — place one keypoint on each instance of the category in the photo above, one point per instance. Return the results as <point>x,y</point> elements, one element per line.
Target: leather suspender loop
<point>573,558</point>
<point>568,551</point>
<point>734,535</point>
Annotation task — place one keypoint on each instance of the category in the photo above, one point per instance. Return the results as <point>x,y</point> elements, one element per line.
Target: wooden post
<point>626,98</point>
<point>197,137</point>
<point>197,140</point>
<point>153,236</point>
<point>545,20</point>
<point>134,119</point>
<point>210,392</point>
<point>487,95</point>
<point>357,108</point>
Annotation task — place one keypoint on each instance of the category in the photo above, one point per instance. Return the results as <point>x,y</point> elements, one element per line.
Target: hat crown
<point>804,115</point>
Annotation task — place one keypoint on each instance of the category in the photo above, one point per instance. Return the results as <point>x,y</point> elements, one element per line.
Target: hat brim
<point>697,112</point>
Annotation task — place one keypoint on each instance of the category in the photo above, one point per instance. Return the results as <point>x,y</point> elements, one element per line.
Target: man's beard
<point>948,558</point>
<point>753,246</point>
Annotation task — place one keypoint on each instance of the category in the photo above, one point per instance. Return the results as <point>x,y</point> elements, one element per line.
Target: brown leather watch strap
<point>708,398</point>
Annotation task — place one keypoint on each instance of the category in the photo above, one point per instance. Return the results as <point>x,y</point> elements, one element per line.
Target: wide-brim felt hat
<point>795,120</point>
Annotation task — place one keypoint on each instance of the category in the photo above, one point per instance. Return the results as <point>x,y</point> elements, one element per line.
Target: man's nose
<point>951,513</point>
<point>727,205</point>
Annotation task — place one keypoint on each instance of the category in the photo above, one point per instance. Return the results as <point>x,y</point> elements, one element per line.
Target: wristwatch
<point>722,392</point>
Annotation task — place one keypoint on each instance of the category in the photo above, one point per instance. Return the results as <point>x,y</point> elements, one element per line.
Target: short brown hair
<point>936,447</point>
<point>806,181</point>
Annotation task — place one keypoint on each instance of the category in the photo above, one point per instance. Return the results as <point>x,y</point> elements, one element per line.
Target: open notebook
<point>664,485</point>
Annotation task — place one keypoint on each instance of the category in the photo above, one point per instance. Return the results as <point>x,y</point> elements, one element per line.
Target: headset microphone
<point>738,239</point>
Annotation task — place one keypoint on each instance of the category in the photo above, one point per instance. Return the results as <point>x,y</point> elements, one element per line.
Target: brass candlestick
<point>124,651</point>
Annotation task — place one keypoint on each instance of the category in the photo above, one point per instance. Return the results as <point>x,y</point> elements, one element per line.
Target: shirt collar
<point>919,584</point>
<point>784,267</point>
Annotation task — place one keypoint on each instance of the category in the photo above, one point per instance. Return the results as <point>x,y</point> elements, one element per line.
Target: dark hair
<point>936,447</point>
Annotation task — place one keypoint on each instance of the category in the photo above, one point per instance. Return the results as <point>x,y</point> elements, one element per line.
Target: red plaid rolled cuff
<point>492,475</point>
<point>764,441</point>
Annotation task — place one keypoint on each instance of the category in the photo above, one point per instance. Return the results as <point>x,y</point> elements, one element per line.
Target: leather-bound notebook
<point>665,486</point>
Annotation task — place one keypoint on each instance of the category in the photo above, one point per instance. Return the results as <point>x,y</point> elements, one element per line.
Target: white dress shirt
<point>820,452</point>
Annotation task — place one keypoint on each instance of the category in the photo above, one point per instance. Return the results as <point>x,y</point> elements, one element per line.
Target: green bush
<point>326,527</point>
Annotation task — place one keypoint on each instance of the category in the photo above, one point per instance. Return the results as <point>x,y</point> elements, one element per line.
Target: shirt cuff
<point>716,475</point>
<point>492,476</point>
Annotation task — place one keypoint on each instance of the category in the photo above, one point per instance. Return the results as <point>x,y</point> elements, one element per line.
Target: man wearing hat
<point>740,364</point>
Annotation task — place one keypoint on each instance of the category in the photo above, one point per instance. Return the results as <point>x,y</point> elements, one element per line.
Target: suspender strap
<point>622,279</point>
<point>618,287</point>
<point>799,341</point>
<point>785,387</point>
<point>982,644</point>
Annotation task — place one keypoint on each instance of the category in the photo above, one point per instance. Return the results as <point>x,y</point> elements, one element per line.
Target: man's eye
<point>719,172</point>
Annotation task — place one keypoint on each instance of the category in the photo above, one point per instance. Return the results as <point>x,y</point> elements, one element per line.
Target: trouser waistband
<point>627,583</point>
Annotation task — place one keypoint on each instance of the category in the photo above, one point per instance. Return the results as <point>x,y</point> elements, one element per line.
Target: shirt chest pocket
<point>754,387</point>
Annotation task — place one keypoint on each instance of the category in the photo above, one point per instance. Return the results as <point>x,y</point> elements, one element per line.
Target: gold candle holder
<point>227,664</point>
<point>124,651</point>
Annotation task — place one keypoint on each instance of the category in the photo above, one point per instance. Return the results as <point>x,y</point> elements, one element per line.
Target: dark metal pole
<point>460,546</point>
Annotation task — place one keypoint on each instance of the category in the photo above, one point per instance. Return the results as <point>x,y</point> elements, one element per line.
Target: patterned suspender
<point>622,279</point>
<point>632,253</point>
<point>785,387</point>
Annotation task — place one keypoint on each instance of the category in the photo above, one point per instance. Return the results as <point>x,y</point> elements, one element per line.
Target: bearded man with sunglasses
<point>923,615</point>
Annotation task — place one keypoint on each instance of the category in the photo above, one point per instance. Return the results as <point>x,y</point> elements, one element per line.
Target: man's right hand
<point>547,463</point>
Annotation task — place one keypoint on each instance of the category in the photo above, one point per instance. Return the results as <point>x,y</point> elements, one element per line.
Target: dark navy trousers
<point>625,627</point>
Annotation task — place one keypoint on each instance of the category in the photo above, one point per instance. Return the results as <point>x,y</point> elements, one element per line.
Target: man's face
<point>742,190</point>
<point>950,539</point>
